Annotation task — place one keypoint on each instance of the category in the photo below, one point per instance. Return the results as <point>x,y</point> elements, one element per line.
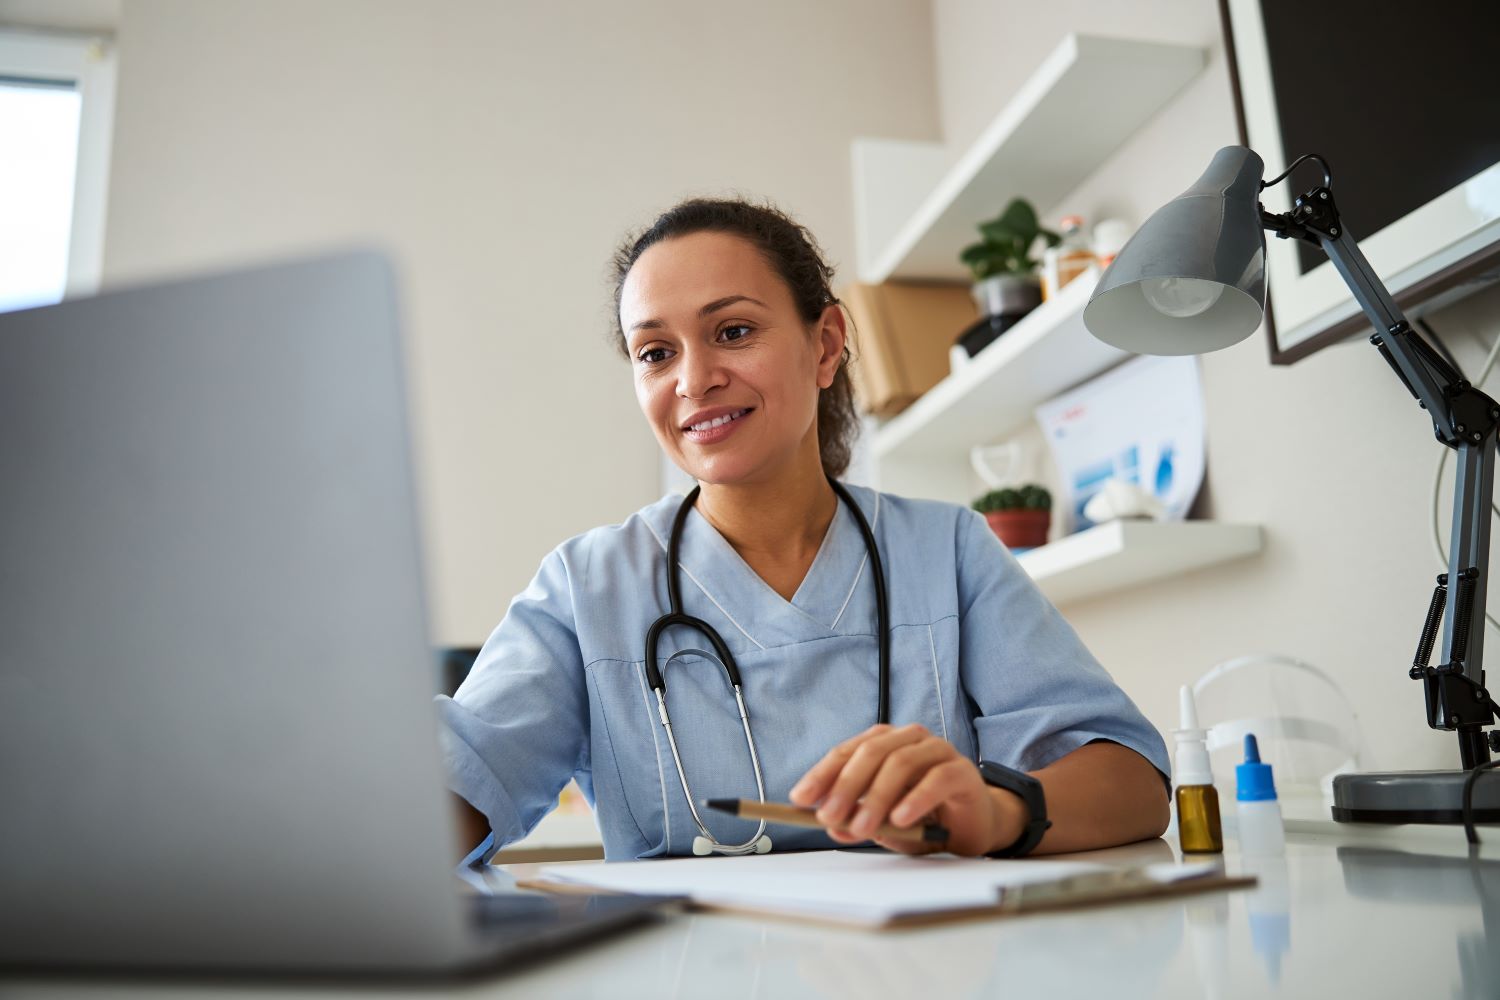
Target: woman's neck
<point>781,519</point>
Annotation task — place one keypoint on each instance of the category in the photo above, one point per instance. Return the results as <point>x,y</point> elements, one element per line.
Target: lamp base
<point>1413,797</point>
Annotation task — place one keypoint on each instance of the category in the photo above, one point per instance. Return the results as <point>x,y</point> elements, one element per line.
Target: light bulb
<point>1181,297</point>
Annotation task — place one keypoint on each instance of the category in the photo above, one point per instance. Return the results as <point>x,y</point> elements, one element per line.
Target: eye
<point>728,333</point>
<point>652,356</point>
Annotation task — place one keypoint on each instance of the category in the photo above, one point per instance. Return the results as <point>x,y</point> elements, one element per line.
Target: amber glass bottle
<point>1198,825</point>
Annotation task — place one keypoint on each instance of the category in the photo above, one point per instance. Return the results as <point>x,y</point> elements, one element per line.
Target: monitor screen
<point>1400,99</point>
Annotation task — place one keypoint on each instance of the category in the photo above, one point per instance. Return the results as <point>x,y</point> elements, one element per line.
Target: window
<point>56,106</point>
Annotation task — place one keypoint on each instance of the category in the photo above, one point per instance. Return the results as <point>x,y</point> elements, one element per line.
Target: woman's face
<point>726,371</point>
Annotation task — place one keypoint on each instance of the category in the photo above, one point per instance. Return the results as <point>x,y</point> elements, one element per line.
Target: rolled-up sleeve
<point>1039,693</point>
<point>516,729</point>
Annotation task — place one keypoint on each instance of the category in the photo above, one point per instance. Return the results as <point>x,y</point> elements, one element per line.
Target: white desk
<point>1341,916</point>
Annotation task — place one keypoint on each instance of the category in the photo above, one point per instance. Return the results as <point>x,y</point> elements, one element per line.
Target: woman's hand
<point>908,776</point>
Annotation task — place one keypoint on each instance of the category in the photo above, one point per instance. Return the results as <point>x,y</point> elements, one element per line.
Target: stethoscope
<point>706,842</point>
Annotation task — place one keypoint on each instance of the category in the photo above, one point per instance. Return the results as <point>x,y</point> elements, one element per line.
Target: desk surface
<point>1340,915</point>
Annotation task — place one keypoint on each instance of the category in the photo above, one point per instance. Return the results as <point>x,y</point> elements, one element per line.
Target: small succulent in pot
<point>1021,517</point>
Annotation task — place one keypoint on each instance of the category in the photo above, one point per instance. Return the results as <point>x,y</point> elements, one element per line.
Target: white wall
<point>500,150</point>
<point>1331,455</point>
<point>88,16</point>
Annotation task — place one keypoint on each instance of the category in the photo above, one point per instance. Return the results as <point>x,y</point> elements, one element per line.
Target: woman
<point>739,353</point>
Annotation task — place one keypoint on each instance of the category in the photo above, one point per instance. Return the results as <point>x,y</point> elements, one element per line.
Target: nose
<point>699,372</point>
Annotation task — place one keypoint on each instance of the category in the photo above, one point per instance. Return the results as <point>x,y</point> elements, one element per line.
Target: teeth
<point>708,425</point>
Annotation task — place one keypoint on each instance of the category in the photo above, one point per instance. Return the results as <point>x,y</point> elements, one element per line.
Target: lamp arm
<point>1463,418</point>
<point>1425,373</point>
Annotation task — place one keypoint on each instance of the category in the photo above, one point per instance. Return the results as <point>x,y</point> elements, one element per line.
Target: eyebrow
<point>710,308</point>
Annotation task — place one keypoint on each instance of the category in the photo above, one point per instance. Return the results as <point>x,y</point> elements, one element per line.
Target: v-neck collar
<point>820,606</point>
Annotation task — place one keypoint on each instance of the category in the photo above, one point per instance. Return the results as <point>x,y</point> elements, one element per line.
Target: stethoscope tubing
<point>676,616</point>
<point>882,605</point>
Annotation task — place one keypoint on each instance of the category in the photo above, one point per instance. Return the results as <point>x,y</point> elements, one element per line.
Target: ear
<point>832,335</point>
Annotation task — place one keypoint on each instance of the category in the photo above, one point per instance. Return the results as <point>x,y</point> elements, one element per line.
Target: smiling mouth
<point>709,425</point>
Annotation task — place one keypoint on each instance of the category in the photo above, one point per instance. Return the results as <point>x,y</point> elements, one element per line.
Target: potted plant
<point>1021,517</point>
<point>1006,286</point>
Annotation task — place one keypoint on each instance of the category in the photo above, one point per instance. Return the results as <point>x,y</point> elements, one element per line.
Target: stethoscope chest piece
<point>703,846</point>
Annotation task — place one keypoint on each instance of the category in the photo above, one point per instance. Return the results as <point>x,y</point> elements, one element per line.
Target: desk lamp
<point>1193,280</point>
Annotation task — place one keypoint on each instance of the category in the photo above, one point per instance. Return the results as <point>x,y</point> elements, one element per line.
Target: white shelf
<point>913,216</point>
<point>1125,553</point>
<point>1042,355</point>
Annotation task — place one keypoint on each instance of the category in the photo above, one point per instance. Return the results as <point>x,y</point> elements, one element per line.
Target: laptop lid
<point>217,745</point>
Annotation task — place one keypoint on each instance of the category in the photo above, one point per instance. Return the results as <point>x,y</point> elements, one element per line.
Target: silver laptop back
<point>217,745</point>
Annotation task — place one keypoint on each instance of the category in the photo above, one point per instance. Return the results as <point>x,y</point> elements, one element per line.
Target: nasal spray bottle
<point>1259,814</point>
<point>1198,825</point>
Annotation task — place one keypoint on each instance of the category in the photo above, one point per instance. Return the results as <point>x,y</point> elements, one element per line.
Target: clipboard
<point>1085,889</point>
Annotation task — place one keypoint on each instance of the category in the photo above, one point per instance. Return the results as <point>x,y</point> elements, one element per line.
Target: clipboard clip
<point>1083,888</point>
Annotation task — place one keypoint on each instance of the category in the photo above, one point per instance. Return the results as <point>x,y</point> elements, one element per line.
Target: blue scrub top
<point>559,691</point>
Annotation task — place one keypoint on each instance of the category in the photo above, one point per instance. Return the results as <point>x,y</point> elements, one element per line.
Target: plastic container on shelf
<point>1109,236</point>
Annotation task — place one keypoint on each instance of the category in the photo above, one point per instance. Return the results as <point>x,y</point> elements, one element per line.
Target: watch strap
<point>1030,791</point>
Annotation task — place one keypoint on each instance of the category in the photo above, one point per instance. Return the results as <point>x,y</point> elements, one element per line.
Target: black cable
<point>1469,782</point>
<point>1327,173</point>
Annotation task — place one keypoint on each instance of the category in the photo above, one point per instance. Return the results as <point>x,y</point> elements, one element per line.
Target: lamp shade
<point>1193,278</point>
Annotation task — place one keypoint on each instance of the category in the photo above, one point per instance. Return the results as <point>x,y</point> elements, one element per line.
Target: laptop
<point>218,749</point>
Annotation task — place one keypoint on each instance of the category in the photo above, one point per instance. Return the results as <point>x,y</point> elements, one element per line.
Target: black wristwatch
<point>1030,791</point>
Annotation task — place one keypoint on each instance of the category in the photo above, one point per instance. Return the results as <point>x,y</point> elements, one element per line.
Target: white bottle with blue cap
<point>1258,813</point>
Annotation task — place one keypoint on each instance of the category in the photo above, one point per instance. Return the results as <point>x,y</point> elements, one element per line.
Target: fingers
<point>843,836</point>
<point>859,770</point>
<point>814,785</point>
<point>902,768</point>
<point>936,786</point>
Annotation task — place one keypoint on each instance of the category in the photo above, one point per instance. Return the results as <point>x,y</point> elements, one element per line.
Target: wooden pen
<point>776,812</point>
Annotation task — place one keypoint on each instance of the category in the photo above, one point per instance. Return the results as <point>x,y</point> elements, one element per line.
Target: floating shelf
<point>915,208</point>
<point>1125,553</point>
<point>996,392</point>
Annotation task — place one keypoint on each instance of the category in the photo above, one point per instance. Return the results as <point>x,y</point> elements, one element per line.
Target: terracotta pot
<point>1020,529</point>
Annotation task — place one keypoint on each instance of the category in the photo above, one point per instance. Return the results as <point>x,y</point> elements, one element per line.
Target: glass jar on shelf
<point>1072,256</point>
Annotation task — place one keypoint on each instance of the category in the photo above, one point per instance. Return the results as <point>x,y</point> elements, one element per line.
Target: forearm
<point>470,826</point>
<point>1100,795</point>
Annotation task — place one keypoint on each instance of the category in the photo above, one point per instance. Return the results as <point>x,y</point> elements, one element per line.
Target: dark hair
<point>793,253</point>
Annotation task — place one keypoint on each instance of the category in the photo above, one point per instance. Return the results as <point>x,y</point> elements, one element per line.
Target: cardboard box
<point>902,331</point>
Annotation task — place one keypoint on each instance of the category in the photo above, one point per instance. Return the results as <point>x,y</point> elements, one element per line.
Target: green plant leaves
<point>1035,498</point>
<point>1028,497</point>
<point>1015,224</point>
<point>1008,239</point>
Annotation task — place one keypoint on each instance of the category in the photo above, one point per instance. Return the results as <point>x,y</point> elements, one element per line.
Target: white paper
<point>858,886</point>
<point>1142,423</point>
